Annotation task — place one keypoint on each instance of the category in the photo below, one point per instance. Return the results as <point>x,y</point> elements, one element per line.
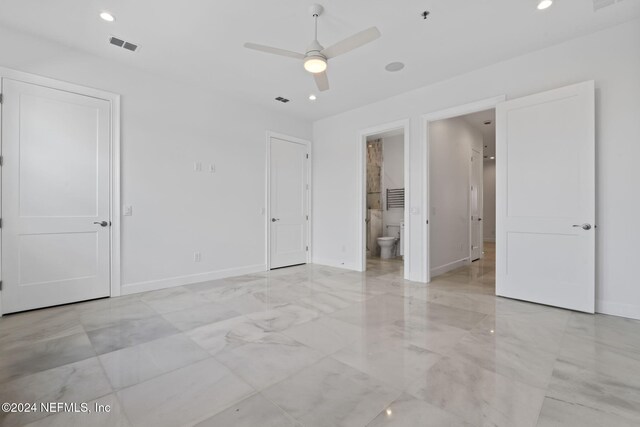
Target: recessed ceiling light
<point>394,66</point>
<point>492,158</point>
<point>106,16</point>
<point>543,4</point>
<point>312,97</point>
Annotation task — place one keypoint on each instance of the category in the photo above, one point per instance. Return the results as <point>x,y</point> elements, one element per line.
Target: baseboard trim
<point>448,267</point>
<point>335,264</point>
<point>630,311</point>
<point>153,285</point>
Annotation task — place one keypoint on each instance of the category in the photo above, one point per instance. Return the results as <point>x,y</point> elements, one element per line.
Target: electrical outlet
<point>197,257</point>
<point>197,166</point>
<point>128,210</point>
<point>212,168</point>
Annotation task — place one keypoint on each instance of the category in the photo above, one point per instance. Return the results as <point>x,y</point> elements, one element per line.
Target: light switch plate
<point>128,210</point>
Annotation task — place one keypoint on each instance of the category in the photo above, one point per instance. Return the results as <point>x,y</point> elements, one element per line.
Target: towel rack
<point>395,198</point>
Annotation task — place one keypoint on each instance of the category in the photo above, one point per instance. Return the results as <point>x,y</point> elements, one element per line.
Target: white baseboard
<point>152,285</point>
<point>448,267</point>
<point>631,311</point>
<point>335,263</point>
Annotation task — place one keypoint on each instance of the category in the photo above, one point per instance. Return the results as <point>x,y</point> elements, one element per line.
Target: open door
<point>476,204</point>
<point>55,197</point>
<point>545,198</point>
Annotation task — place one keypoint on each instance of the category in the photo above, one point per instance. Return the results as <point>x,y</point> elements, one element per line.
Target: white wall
<point>610,57</point>
<point>392,177</point>
<point>489,200</point>
<point>452,141</point>
<point>167,126</point>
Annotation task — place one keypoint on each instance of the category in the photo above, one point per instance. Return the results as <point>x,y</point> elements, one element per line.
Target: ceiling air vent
<point>123,44</point>
<point>600,4</point>
<point>281,99</point>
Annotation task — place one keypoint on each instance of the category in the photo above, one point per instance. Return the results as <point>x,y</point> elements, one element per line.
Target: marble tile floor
<point>319,346</point>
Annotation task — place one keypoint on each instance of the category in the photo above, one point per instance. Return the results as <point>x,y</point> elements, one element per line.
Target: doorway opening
<point>460,197</point>
<point>384,175</point>
<point>462,201</point>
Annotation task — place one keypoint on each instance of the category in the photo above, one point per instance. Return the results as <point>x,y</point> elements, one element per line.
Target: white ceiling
<point>201,40</point>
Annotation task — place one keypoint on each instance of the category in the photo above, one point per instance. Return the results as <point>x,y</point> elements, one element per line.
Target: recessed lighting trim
<point>544,4</point>
<point>492,158</point>
<point>106,16</point>
<point>394,66</point>
<point>312,97</point>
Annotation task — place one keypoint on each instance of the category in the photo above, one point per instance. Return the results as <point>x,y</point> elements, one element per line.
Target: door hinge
<point>0,222</point>
<point>307,248</point>
<point>307,217</point>
<point>1,160</point>
<point>1,98</point>
<point>307,155</point>
<point>0,285</point>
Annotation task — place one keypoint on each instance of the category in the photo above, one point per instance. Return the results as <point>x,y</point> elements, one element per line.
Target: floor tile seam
<point>492,372</point>
<point>118,392</point>
<point>115,389</point>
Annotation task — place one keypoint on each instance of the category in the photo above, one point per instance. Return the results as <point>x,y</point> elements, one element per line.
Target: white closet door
<point>55,197</point>
<point>289,196</point>
<point>545,181</point>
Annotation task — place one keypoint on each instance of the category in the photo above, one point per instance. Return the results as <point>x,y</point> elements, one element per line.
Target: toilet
<point>386,246</point>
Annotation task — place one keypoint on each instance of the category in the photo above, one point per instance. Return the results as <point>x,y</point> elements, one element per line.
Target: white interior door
<point>289,200</point>
<point>476,205</point>
<point>545,183</point>
<point>55,188</point>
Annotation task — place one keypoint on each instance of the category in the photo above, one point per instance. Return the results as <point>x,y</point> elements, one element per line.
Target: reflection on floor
<point>319,346</point>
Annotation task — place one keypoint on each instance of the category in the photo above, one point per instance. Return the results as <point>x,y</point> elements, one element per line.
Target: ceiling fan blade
<point>351,43</point>
<point>322,81</point>
<point>274,50</point>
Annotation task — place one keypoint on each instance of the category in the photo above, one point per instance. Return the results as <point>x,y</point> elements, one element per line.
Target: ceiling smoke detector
<point>394,66</point>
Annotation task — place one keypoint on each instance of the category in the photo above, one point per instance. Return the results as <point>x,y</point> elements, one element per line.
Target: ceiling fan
<point>316,57</point>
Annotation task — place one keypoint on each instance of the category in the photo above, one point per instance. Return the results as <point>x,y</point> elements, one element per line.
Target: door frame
<point>405,125</point>
<point>270,135</point>
<point>426,119</point>
<point>114,169</point>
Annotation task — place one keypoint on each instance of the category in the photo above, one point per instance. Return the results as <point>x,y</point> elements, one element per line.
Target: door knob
<point>583,226</point>
<point>275,219</point>
<point>479,219</point>
<point>101,223</point>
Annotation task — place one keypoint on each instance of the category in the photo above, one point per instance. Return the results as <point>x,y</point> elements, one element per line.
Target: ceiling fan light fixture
<point>315,64</point>
<point>544,4</point>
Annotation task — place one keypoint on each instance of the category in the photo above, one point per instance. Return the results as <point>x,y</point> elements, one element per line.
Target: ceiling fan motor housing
<point>316,10</point>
